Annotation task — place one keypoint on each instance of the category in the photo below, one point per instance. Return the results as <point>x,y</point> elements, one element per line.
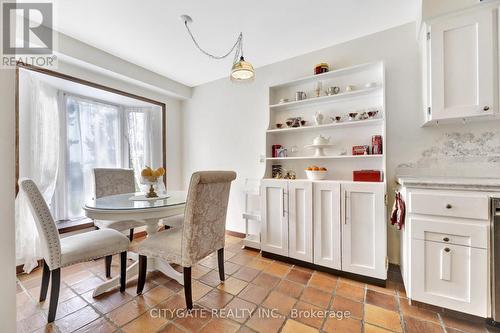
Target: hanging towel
<point>398,212</point>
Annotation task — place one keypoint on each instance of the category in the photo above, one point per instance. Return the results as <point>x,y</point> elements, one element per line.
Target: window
<point>98,134</point>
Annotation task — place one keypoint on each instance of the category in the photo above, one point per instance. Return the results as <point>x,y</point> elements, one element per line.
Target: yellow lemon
<point>147,172</point>
<point>161,170</point>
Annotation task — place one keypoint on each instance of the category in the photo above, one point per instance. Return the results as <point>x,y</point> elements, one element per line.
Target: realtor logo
<point>27,34</point>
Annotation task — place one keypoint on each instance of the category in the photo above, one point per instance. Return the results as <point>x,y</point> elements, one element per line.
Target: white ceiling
<point>150,34</point>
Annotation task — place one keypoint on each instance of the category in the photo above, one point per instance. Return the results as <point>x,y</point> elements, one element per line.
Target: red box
<point>367,176</point>
<point>360,150</point>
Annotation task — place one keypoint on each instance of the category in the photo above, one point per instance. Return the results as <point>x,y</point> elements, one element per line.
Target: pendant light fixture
<point>241,70</point>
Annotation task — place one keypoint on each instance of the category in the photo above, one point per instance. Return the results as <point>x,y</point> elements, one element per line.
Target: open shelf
<point>355,123</point>
<point>343,181</point>
<point>252,215</point>
<point>324,157</point>
<point>252,241</point>
<point>326,76</point>
<point>325,99</point>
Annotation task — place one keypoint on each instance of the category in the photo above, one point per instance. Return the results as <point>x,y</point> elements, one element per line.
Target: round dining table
<point>133,206</point>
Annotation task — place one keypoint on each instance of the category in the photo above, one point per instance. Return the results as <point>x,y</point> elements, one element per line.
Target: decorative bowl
<point>316,175</point>
<point>151,181</point>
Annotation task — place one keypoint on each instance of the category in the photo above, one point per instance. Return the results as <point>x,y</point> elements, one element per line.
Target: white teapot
<point>321,140</point>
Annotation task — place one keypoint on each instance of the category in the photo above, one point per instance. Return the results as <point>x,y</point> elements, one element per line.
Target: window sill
<point>74,225</point>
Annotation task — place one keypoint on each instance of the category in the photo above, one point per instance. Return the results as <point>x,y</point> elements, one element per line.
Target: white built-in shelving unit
<point>336,222</point>
<point>343,135</point>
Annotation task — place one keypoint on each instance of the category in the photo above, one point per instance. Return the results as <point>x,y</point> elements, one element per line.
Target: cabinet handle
<point>446,239</point>
<point>448,206</point>
<point>345,207</point>
<point>447,249</point>
<point>283,201</point>
<point>486,108</point>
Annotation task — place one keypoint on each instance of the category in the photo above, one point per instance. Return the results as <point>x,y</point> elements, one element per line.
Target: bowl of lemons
<point>150,177</point>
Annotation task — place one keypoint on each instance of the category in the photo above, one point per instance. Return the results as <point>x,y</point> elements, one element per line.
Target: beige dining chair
<point>60,252</point>
<point>201,234</point>
<point>113,181</point>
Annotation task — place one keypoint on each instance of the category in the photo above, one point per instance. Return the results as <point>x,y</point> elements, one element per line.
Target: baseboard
<point>357,277</point>
<point>71,226</point>
<point>235,234</point>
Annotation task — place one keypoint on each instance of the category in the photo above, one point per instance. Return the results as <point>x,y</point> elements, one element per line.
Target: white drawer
<point>447,203</point>
<point>467,233</point>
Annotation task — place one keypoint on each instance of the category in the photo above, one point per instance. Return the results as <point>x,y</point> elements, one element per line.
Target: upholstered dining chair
<point>202,232</point>
<point>113,181</point>
<point>60,252</point>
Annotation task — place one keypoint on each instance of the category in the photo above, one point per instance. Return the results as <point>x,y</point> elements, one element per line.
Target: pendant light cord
<point>238,46</point>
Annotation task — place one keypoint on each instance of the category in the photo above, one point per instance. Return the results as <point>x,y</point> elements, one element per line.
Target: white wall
<point>7,245</point>
<point>224,123</point>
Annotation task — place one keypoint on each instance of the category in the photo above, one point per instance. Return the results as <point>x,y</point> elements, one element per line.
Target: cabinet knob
<point>447,249</point>
<point>486,108</point>
<point>446,239</point>
<point>448,206</point>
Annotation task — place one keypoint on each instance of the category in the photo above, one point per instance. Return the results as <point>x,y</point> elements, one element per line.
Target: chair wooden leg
<point>131,234</point>
<point>107,264</point>
<point>187,288</point>
<point>45,282</point>
<point>123,271</point>
<point>54,293</point>
<point>141,281</point>
<point>220,259</point>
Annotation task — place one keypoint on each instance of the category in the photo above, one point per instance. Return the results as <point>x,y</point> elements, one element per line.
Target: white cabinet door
<point>462,65</point>
<point>364,229</point>
<point>300,220</point>
<point>274,216</point>
<point>327,233</point>
<point>450,276</point>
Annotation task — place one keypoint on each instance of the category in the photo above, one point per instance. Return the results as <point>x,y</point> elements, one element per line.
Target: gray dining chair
<point>201,234</point>
<point>113,181</point>
<point>61,252</point>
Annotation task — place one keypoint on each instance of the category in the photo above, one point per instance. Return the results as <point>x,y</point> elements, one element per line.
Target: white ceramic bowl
<point>316,175</point>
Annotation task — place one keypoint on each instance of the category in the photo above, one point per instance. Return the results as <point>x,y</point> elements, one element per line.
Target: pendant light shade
<point>242,71</point>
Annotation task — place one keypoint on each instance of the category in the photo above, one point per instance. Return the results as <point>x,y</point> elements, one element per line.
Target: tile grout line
<point>363,311</point>
<point>400,311</point>
<point>334,294</point>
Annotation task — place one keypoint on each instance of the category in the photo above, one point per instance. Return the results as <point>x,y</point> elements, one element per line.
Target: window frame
<point>77,80</point>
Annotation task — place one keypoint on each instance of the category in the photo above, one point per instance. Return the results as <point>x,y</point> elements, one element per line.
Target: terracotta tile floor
<point>292,297</point>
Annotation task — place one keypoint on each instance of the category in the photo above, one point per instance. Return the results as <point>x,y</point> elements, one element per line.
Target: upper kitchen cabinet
<point>460,66</point>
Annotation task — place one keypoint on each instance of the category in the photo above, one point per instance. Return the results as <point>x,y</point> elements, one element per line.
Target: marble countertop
<point>469,183</point>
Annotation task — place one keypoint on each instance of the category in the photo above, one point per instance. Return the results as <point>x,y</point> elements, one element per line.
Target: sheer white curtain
<point>41,151</point>
<point>93,139</point>
<point>145,139</point>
